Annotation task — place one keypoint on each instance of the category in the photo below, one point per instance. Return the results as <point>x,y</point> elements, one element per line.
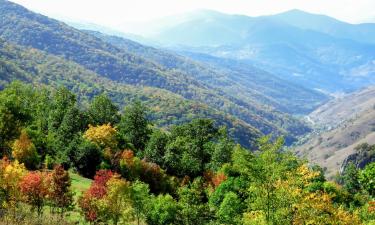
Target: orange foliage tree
<point>35,189</point>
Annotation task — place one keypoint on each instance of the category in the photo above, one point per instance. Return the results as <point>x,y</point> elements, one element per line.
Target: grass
<point>79,183</point>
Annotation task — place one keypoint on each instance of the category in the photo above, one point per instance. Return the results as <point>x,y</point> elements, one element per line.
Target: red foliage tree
<point>214,179</point>
<point>97,190</point>
<point>34,187</point>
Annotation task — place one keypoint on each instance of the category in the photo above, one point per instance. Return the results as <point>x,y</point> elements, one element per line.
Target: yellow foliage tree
<point>310,207</point>
<point>104,136</point>
<point>116,205</point>
<point>11,174</point>
<point>24,151</point>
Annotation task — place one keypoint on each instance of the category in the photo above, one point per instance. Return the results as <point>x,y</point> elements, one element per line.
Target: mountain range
<point>255,75</point>
<point>41,50</point>
<point>316,51</point>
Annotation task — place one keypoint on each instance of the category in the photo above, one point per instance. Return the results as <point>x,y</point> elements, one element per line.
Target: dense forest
<point>66,162</point>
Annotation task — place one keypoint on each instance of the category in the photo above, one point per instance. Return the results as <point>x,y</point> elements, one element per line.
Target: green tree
<point>86,157</point>
<point>266,170</point>
<point>192,207</point>
<point>367,178</point>
<point>139,195</point>
<point>155,148</point>
<point>16,102</point>
<point>222,150</point>
<point>103,111</point>
<point>65,121</point>
<point>350,179</point>
<point>162,210</point>
<point>134,125</point>
<point>190,147</point>
<point>62,101</point>
<point>230,209</point>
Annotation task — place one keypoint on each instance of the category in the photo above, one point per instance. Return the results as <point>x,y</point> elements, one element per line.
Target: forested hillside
<point>41,69</point>
<point>237,79</point>
<point>192,174</point>
<point>123,66</point>
<point>236,120</point>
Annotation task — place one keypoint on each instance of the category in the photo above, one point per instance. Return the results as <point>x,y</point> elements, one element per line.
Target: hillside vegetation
<point>123,66</point>
<point>192,174</point>
<point>41,69</point>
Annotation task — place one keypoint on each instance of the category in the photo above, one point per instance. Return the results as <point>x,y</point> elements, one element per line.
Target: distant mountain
<point>143,69</point>
<point>359,32</point>
<point>81,25</point>
<point>342,124</point>
<point>289,45</point>
<point>234,78</point>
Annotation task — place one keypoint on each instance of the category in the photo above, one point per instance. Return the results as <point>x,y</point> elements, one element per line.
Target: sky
<point>114,13</point>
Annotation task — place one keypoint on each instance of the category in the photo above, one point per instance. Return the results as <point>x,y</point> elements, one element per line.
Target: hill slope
<point>235,79</point>
<point>41,69</point>
<point>344,124</point>
<point>25,28</point>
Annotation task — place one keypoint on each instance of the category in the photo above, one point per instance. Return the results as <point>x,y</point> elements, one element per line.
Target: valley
<point>200,117</point>
<point>341,125</point>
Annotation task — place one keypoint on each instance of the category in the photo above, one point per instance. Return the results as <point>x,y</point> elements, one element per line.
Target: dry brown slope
<point>347,122</point>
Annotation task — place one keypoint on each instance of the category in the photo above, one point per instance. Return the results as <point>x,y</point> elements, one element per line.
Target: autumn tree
<point>11,173</point>
<point>60,193</point>
<point>25,152</point>
<point>35,188</point>
<point>89,202</point>
<point>116,205</point>
<point>103,135</point>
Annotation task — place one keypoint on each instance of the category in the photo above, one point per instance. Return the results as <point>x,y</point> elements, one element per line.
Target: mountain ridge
<point>24,28</point>
<point>315,58</point>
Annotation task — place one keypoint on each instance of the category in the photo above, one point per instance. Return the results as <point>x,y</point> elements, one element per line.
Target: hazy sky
<point>114,12</point>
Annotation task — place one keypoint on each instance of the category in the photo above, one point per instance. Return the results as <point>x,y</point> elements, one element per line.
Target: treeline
<point>190,174</point>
